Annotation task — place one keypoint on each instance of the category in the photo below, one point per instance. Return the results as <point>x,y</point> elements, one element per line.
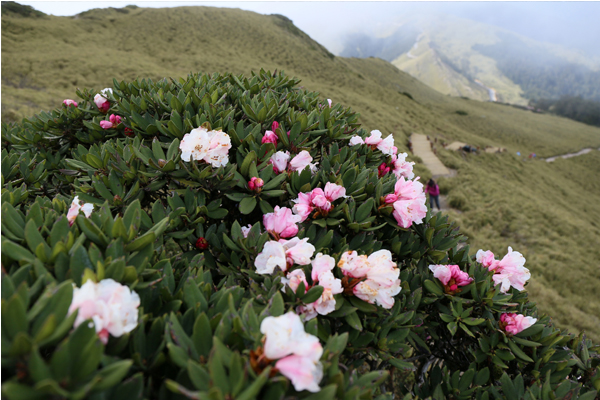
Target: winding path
<point>569,155</point>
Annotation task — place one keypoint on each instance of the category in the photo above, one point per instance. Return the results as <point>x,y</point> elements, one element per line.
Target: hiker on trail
<point>434,193</point>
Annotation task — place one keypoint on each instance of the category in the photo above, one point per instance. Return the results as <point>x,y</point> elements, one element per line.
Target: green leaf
<point>112,374</point>
<point>518,352</point>
<point>432,287</point>
<point>313,294</point>
<point>353,321</point>
<point>141,242</point>
<point>247,205</point>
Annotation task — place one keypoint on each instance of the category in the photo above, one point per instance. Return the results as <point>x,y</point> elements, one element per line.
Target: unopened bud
<point>161,162</point>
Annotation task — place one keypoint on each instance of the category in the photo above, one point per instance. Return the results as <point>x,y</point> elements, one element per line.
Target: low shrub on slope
<point>222,237</point>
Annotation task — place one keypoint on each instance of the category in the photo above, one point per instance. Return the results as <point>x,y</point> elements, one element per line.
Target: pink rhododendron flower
<point>246,230</point>
<point>383,169</point>
<point>280,161</point>
<point>270,137</point>
<point>486,258</point>
<point>514,323</point>
<point>297,251</point>
<point>69,102</point>
<point>273,255</point>
<point>408,212</point>
<point>303,205</point>
<point>318,199</point>
<point>106,124</point>
<point>334,191</point>
<point>382,269</point>
<point>294,279</point>
<point>509,271</point>
<point>301,161</point>
<point>211,147</point>
<point>356,140</point>
<point>112,307</point>
<point>255,183</point>
<point>451,277</point>
<point>298,353</point>
<point>115,119</point>
<point>77,206</point>
<point>321,264</point>
<point>401,167</point>
<point>374,139</point>
<point>281,223</point>
<point>329,102</point>
<point>303,372</point>
<point>408,201</point>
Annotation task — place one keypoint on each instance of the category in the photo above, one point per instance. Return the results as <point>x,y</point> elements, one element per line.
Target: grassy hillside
<point>543,210</point>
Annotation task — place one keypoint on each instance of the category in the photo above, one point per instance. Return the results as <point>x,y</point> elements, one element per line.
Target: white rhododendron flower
<point>112,307</point>
<point>272,255</point>
<point>77,206</point>
<point>203,145</point>
<point>509,271</point>
<point>298,251</point>
<point>356,140</point>
<point>381,276</point>
<point>331,285</point>
<point>298,353</point>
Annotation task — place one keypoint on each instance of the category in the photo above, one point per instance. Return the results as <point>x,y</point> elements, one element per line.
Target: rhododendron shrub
<point>236,237</point>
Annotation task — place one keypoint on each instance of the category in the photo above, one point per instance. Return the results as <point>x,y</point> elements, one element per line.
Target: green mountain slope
<point>540,209</point>
<point>461,57</point>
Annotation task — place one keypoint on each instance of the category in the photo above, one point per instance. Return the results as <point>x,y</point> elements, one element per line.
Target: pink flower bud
<point>329,102</point>
<point>102,103</point>
<point>255,184</point>
<point>115,119</point>
<point>390,198</point>
<point>383,169</point>
<point>69,102</point>
<point>106,124</point>
<point>270,137</point>
<point>274,126</point>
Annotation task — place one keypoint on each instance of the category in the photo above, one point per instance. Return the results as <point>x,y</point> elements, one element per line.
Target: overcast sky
<point>569,23</point>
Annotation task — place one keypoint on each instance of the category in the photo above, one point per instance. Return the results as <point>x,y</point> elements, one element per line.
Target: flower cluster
<point>281,162</point>
<point>281,223</point>
<point>509,271</point>
<point>513,323</point>
<point>112,307</point>
<point>69,102</point>
<point>297,352</point>
<point>203,145</point>
<point>408,201</point>
<point>318,199</point>
<point>77,206</point>
<point>112,122</point>
<point>451,277</point>
<point>101,101</point>
<point>375,279</point>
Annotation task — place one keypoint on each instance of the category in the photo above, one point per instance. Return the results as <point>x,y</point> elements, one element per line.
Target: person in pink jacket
<point>433,190</point>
